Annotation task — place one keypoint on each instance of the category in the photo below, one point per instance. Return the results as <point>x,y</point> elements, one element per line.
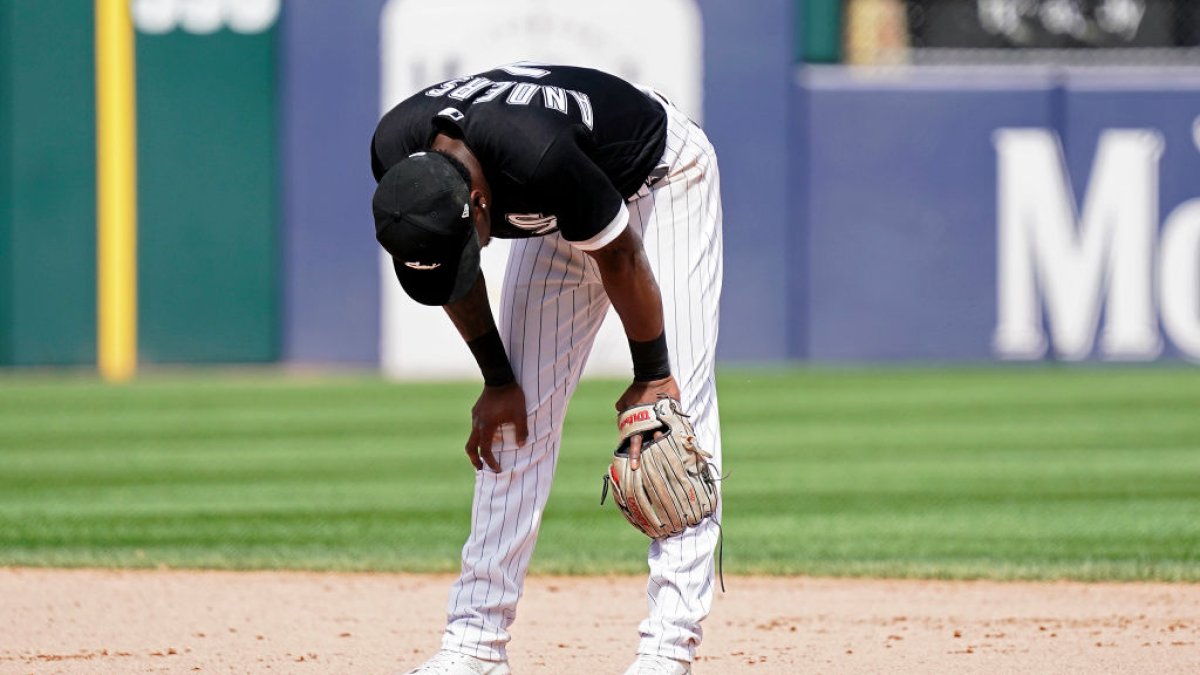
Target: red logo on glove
<point>639,416</point>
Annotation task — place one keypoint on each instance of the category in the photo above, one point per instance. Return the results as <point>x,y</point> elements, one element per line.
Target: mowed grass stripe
<point>1042,472</point>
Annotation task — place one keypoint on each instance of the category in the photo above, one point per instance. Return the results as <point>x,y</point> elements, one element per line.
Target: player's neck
<point>457,149</point>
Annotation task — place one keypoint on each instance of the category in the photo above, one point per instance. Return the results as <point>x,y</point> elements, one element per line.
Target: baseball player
<point>610,195</point>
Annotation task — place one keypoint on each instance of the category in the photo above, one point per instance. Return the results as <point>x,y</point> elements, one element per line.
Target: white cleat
<point>647,664</point>
<point>452,663</point>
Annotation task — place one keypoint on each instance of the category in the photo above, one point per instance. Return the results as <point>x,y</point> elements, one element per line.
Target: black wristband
<point>492,359</point>
<point>650,359</point>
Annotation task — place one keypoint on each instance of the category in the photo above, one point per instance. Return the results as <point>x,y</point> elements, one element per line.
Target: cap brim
<point>446,284</point>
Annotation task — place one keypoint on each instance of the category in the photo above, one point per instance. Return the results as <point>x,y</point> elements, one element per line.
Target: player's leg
<point>680,220</point>
<point>553,304</point>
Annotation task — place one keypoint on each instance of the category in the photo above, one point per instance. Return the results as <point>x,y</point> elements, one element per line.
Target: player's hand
<point>645,392</point>
<point>496,406</point>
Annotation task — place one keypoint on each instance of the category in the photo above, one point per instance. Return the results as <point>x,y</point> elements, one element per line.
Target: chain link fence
<point>1077,32</point>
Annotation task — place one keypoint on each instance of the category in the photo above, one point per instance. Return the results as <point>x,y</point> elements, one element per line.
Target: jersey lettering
<point>522,94</point>
<point>585,107</point>
<point>555,98</point>
<point>495,91</point>
<point>519,93</point>
<point>443,88</point>
<point>469,89</point>
<point>524,71</point>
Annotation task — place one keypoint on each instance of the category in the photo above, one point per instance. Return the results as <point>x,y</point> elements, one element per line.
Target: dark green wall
<point>6,134</point>
<point>818,31</point>
<point>207,197</point>
<point>52,233</point>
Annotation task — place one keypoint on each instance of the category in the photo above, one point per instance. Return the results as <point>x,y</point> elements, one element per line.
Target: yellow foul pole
<point>116,192</point>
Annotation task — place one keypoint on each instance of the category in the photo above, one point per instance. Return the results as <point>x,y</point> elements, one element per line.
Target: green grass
<point>1081,473</point>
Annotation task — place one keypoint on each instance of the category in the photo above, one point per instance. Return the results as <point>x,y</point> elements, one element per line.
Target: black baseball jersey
<point>562,147</point>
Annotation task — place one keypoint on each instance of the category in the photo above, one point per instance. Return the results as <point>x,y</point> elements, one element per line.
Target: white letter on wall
<point>1047,253</point>
<point>1179,278</point>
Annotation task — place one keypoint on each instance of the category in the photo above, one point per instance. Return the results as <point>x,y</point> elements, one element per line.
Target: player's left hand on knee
<point>496,407</point>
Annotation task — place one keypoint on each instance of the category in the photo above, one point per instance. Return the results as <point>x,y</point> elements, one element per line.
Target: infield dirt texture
<point>1021,477</point>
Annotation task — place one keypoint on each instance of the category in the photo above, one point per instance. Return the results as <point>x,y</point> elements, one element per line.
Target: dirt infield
<point>88,621</point>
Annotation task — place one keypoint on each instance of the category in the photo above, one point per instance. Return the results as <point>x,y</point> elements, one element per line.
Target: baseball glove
<point>675,486</point>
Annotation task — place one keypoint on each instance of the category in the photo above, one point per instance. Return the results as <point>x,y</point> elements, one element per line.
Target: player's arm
<point>633,291</point>
<point>502,401</point>
<point>594,218</point>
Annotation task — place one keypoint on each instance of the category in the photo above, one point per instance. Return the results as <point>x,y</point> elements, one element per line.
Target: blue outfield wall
<point>902,209</point>
<point>330,93</point>
<point>863,211</point>
<point>747,105</point>
<point>900,215</point>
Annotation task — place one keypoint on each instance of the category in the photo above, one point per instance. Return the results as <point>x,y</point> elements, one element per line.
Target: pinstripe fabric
<point>680,220</point>
<point>553,305</point>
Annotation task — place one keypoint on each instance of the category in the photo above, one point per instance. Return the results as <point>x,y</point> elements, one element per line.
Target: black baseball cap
<point>423,219</point>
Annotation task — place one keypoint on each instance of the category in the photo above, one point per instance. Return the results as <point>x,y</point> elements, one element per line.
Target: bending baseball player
<point>610,195</point>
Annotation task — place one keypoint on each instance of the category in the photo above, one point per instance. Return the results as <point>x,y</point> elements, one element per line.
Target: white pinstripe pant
<point>553,305</point>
